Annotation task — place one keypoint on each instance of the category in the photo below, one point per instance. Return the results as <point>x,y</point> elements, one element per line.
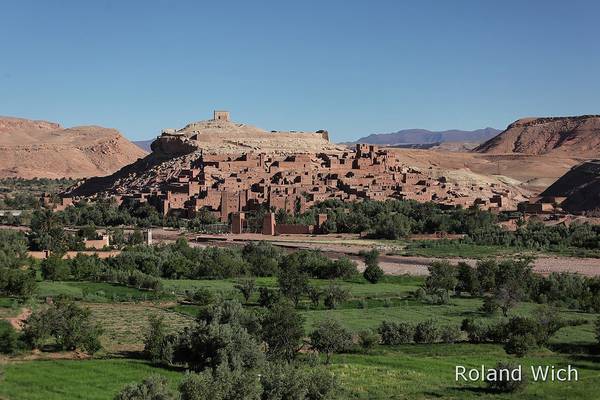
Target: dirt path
<point>18,321</point>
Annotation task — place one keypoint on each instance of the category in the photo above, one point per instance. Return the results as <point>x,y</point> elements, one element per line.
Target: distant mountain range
<point>424,136</point>
<point>144,144</point>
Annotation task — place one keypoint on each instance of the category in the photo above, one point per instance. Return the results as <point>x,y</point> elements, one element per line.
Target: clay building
<point>232,184</point>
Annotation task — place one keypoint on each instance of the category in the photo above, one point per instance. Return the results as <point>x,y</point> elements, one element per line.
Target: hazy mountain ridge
<point>424,136</point>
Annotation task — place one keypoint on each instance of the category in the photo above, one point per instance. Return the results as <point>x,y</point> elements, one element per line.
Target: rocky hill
<point>580,186</point>
<point>424,137</point>
<point>575,136</point>
<point>30,149</point>
<point>227,137</point>
<point>181,148</point>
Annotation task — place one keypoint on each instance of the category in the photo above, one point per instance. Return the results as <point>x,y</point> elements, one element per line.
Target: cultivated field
<point>413,371</point>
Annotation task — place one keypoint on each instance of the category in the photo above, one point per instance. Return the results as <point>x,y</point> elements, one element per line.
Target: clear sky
<point>352,67</point>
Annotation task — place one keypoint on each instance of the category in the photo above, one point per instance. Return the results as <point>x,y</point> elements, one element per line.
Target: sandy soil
<point>18,321</point>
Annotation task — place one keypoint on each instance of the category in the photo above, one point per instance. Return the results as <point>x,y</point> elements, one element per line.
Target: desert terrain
<point>30,149</point>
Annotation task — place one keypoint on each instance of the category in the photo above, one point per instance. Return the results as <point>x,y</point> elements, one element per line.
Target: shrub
<point>314,294</point>
<point>224,333</point>
<point>158,347</point>
<point>9,338</point>
<point>467,279</point>
<point>490,305</point>
<point>420,294</point>
<point>392,226</point>
<point>86,267</point>
<point>520,345</point>
<point>283,381</point>
<point>476,333</point>
<point>442,276</point>
<point>450,334</point>
<point>504,383</point>
<point>54,268</point>
<point>372,273</point>
<point>439,297</point>
<point>223,383</point>
<point>330,337</point>
<point>155,387</point>
<point>17,282</point>
<point>597,326</point>
<point>338,269</point>
<point>293,283</point>
<point>334,295</point>
<point>289,382</point>
<point>393,333</point>
<point>282,330</point>
<point>263,258</point>
<point>201,297</point>
<point>321,384</point>
<point>267,297</point>
<point>367,339</point>
<point>246,287</point>
<point>70,325</point>
<point>426,332</point>
<point>522,334</point>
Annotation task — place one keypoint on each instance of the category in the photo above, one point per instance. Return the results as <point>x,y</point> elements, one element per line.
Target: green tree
<point>282,331</point>
<point>442,276</point>
<point>221,384</point>
<point>467,279</point>
<point>9,338</point>
<point>54,268</point>
<point>221,335</point>
<point>504,383</point>
<point>158,346</point>
<point>70,325</point>
<point>263,258</point>
<point>246,287</point>
<point>367,339</point>
<point>334,295</point>
<point>427,332</point>
<point>292,282</point>
<point>373,272</point>
<point>330,337</point>
<point>392,226</point>
<point>155,387</point>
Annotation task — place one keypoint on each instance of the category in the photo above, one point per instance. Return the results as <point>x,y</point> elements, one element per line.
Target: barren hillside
<point>563,136</point>
<point>580,186</point>
<point>30,149</point>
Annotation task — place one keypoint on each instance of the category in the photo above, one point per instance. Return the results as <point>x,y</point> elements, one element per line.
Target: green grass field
<point>97,291</point>
<point>386,372</point>
<point>398,372</point>
<point>70,379</point>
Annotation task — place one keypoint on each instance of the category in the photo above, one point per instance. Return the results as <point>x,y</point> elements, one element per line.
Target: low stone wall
<point>42,255</point>
<point>292,229</point>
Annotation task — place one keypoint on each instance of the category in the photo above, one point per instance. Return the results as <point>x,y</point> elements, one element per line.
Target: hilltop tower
<point>221,116</point>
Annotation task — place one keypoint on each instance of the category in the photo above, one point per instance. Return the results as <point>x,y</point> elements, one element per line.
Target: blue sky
<point>352,67</point>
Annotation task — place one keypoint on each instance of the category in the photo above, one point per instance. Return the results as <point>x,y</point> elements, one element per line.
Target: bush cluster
<point>428,331</point>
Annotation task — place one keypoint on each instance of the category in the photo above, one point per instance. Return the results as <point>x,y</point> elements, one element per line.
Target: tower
<point>221,116</point>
